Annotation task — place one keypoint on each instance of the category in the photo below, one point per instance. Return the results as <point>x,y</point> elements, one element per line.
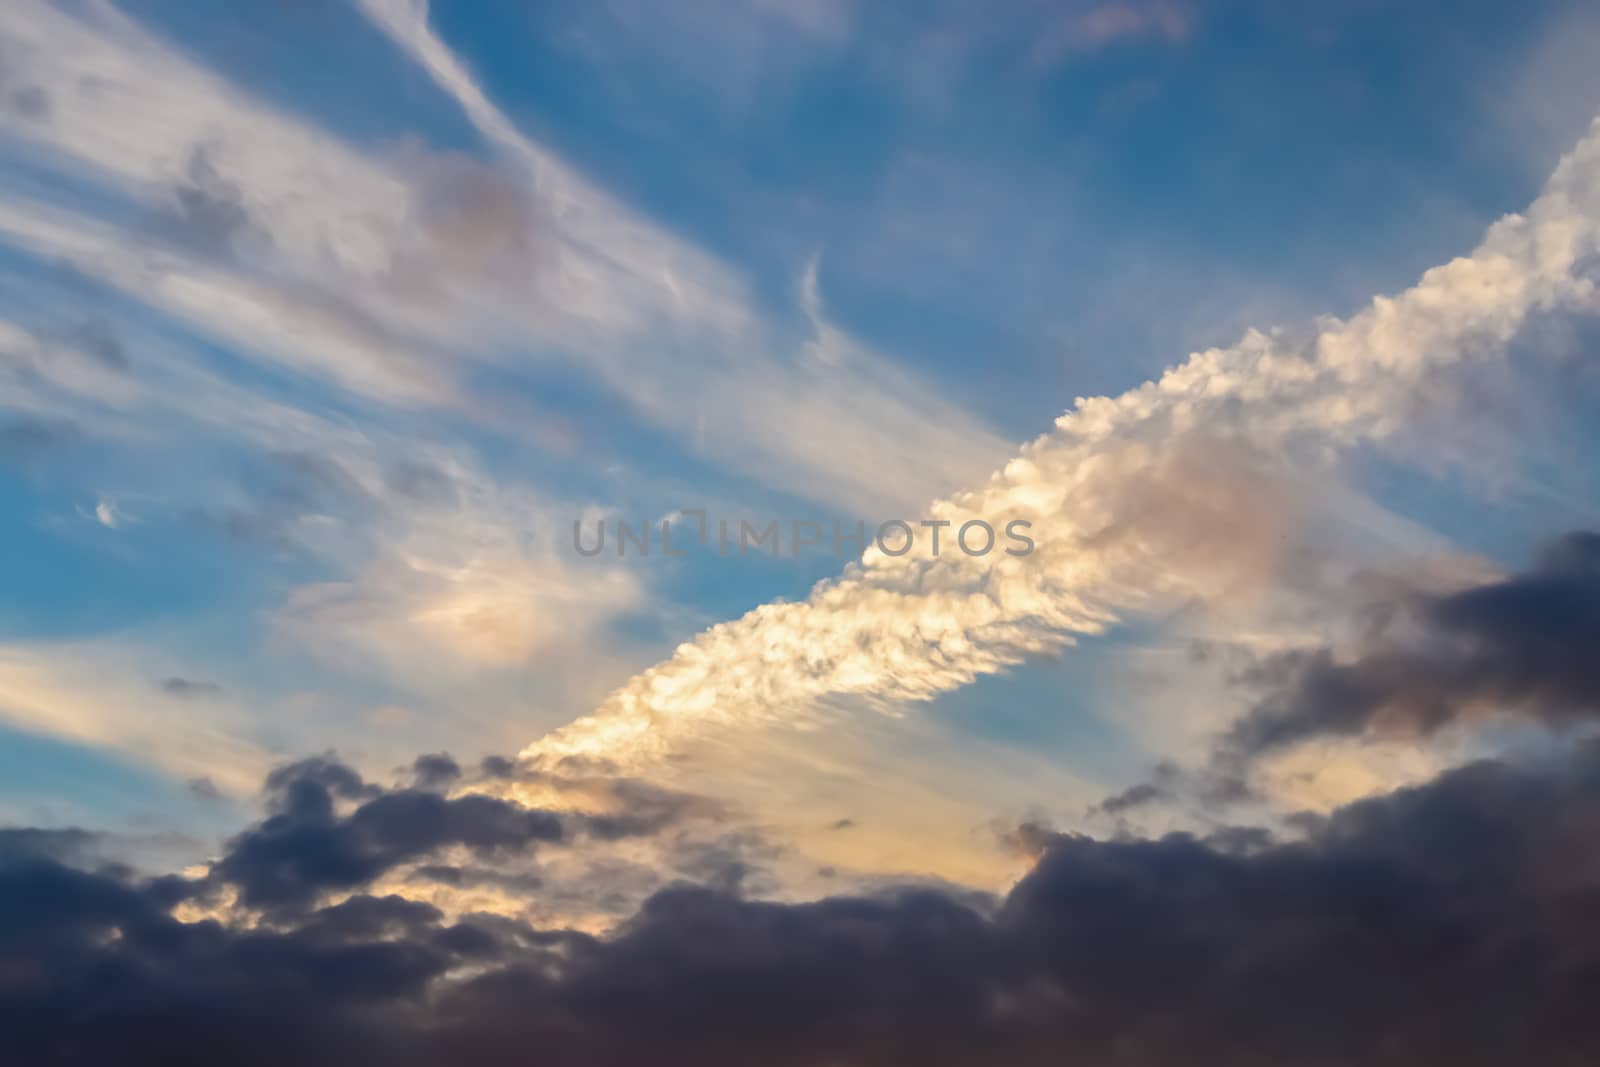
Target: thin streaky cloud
<point>796,424</point>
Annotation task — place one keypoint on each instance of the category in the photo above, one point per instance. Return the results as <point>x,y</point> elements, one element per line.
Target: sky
<point>815,530</point>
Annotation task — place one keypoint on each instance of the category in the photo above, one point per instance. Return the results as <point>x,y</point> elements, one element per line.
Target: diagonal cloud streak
<point>1182,488</point>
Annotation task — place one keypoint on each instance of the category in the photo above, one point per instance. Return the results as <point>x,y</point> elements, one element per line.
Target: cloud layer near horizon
<point>1443,924</point>
<point>430,921</point>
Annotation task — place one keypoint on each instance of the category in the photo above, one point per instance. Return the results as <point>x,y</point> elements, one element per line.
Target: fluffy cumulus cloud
<point>1187,488</point>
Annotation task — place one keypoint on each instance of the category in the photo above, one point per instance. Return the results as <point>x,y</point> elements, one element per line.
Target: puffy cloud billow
<point>1185,489</point>
<point>1448,923</point>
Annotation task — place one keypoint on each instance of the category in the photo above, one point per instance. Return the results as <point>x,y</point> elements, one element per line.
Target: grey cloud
<point>307,849</point>
<point>422,482</point>
<point>31,102</point>
<point>435,771</point>
<point>1447,924</point>
<point>1135,796</point>
<point>188,688</point>
<point>286,488</point>
<point>18,843</point>
<point>209,209</point>
<point>203,788</point>
<point>474,226</point>
<point>1522,646</point>
<point>498,767</point>
<point>100,342</point>
<point>331,831</point>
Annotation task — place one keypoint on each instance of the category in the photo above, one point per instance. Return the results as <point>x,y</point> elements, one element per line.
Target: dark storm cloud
<point>33,843</point>
<point>1523,646</point>
<point>1448,924</point>
<point>435,771</point>
<point>498,767</point>
<point>314,783</point>
<point>307,848</point>
<point>329,831</point>
<point>1452,924</point>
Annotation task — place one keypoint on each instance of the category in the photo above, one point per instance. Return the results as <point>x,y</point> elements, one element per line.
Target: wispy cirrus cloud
<point>270,297</point>
<point>1093,26</point>
<point>749,405</point>
<point>380,273</point>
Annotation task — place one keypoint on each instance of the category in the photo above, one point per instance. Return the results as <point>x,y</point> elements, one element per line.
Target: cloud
<point>1513,647</point>
<point>306,849</point>
<point>799,425</point>
<point>31,843</point>
<point>30,102</point>
<point>97,339</point>
<point>462,842</point>
<point>1190,488</point>
<point>288,322</point>
<point>1444,924</point>
<point>205,789</point>
<point>485,600</point>
<point>1131,798</point>
<point>210,212</point>
<point>99,693</point>
<point>435,771</point>
<point>1102,25</point>
<point>413,562</point>
<point>393,273</point>
<point>188,688</point>
<point>108,514</point>
<point>25,438</point>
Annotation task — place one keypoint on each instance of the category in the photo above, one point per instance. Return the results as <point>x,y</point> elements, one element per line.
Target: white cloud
<point>107,515</point>
<point>256,237</point>
<point>1188,487</point>
<point>672,329</point>
<point>461,590</point>
<point>383,272</point>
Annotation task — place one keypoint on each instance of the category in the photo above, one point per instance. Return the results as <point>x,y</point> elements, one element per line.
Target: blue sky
<point>319,330</point>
